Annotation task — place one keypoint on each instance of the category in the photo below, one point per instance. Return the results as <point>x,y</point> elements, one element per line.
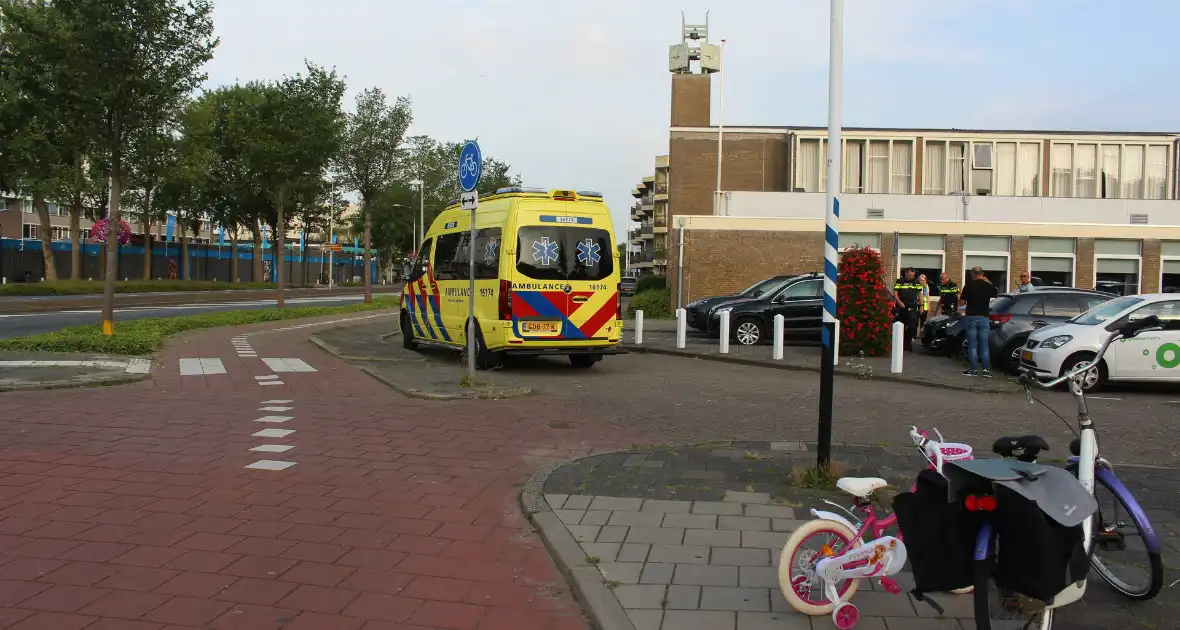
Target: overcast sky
<point>576,94</point>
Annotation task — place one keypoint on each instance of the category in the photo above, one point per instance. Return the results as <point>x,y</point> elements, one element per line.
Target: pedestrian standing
<point>976,297</point>
<point>948,294</point>
<point>1026,284</point>
<point>924,309</point>
<point>906,297</point>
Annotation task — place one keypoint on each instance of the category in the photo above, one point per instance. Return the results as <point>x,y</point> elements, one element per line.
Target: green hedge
<point>145,336</point>
<point>647,283</point>
<point>655,304</point>
<point>82,287</point>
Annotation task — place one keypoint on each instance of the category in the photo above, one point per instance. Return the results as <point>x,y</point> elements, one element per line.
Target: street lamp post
<point>419,232</point>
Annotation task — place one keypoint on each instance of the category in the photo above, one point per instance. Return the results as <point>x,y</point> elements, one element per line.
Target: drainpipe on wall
<point>680,264</point>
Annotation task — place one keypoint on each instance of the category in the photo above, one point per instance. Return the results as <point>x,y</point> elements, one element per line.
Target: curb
<point>800,368</point>
<point>598,602</point>
<point>72,384</point>
<point>410,392</point>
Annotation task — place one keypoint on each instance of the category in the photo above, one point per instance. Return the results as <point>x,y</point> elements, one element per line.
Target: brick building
<point>1075,208</point>
<point>649,239</point>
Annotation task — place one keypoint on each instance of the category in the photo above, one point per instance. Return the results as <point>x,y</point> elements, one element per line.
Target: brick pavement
<point>131,508</point>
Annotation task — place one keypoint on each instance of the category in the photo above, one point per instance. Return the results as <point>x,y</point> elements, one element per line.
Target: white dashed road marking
<point>273,433</point>
<point>276,402</point>
<point>275,408</point>
<point>288,365</point>
<point>275,419</point>
<point>268,377</point>
<point>139,366</point>
<point>272,448</point>
<point>197,367</point>
<point>270,464</point>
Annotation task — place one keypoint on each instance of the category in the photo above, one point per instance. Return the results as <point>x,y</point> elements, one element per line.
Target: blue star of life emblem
<point>491,251</point>
<point>589,252</point>
<point>545,251</point>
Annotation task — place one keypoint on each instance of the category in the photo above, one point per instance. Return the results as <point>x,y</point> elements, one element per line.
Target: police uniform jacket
<point>908,291</point>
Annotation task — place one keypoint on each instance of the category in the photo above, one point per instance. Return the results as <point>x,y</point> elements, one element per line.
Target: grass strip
<point>84,287</point>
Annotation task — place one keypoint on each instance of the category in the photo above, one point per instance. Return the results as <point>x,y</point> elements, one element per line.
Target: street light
<point>420,233</point>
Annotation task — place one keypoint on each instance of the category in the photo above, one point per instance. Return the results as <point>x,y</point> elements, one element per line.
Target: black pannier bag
<point>939,535</point>
<point>1037,556</point>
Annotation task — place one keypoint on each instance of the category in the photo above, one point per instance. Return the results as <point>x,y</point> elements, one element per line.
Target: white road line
<point>276,402</point>
<point>268,377</point>
<point>273,433</point>
<point>139,366</point>
<point>272,448</point>
<point>197,367</point>
<point>1102,398</point>
<point>274,418</point>
<point>270,464</point>
<point>288,365</point>
<point>270,383</point>
<point>275,408</point>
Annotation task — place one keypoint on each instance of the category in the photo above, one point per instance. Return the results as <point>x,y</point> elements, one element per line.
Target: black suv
<point>799,299</point>
<point>697,313</point>
<point>1014,317</point>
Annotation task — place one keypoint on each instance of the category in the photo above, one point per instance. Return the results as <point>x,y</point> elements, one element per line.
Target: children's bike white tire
<point>784,565</point>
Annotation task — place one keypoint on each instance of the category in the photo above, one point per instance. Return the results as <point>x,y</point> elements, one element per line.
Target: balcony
<point>661,192</point>
<point>661,161</point>
<point>660,225</point>
<point>648,203</point>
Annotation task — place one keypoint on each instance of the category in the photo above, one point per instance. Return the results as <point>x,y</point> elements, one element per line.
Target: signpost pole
<point>470,168</point>
<point>831,233</point>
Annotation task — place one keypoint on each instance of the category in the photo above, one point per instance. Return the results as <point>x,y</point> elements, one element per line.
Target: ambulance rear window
<point>564,253</point>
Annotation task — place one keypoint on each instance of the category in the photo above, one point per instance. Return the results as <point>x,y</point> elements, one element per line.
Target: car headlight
<point>724,309</point>
<point>1053,343</point>
<point>693,304</point>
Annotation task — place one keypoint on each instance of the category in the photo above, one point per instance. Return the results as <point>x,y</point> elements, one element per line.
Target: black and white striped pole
<point>831,233</point>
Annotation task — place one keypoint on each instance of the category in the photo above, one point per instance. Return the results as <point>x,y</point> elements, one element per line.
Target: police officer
<point>907,292</point>
<point>948,294</point>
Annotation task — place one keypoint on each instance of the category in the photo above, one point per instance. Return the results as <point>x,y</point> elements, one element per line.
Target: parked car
<point>1014,316</point>
<point>697,313</point>
<point>627,285</point>
<point>1151,357</point>
<point>799,299</point>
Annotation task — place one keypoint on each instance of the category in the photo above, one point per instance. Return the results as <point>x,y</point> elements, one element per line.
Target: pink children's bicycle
<point>823,580</point>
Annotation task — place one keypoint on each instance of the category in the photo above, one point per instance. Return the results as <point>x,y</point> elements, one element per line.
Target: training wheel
<point>967,590</point>
<point>890,586</point>
<point>845,616</point>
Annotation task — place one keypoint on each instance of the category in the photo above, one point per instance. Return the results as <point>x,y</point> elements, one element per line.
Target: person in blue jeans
<point>976,297</point>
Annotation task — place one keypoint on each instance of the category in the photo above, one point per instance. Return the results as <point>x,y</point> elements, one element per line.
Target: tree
<point>391,215</point>
<point>151,160</point>
<point>134,63</point>
<point>436,165</point>
<point>862,303</point>
<point>301,124</point>
<point>368,163</point>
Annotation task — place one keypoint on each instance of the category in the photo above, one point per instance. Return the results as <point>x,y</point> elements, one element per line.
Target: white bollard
<point>836,343</point>
<point>778,337</point>
<point>898,347</point>
<point>681,327</point>
<point>4,280</point>
<point>724,349</point>
<point>638,327</point>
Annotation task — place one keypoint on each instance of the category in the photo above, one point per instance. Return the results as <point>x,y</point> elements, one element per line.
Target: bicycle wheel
<point>1133,569</point>
<point>998,608</point>
<point>801,587</point>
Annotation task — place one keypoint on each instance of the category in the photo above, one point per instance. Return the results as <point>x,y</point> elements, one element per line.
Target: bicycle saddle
<point>1024,448</point>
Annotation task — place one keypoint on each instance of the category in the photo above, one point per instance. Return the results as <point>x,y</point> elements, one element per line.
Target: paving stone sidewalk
<point>689,537</point>
<point>57,370</point>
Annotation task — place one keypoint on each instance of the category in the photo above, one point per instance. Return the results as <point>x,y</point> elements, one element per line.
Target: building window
<point>923,252</point>
<point>1017,169</point>
<point>3,205</point>
<point>877,181</point>
<point>809,166</point>
<point>1085,171</point>
<point>31,230</point>
<point>854,151</point>
<point>1155,173</point>
<point>901,165</point>
<point>1170,267</point>
<point>27,207</point>
<point>1062,167</point>
<point>989,253</point>
<point>944,167</point>
<point>1116,266</point>
<point>61,233</point>
<point>1110,171</point>
<point>85,234</point>
<point>1131,181</point>
<point>1051,261</point>
<point>850,239</point>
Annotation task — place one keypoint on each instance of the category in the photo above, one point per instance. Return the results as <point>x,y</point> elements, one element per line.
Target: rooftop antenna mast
<point>694,46</point>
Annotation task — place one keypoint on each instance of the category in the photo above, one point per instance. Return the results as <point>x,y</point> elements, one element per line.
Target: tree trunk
<point>368,256</point>
<point>258,251</point>
<point>281,242</point>
<point>108,296</point>
<point>147,233</point>
<point>76,238</point>
<point>233,258</point>
<point>46,237</point>
<point>184,273</point>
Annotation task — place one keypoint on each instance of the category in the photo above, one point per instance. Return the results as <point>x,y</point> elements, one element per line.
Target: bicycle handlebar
<point>1126,331</point>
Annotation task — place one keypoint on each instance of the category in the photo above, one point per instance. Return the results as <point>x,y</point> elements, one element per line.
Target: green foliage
<point>651,282</point>
<point>145,336</point>
<point>655,304</point>
<point>436,165</point>
<point>75,287</point>
<point>862,303</point>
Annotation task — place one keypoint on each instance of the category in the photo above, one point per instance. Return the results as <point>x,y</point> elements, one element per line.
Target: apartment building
<point>1074,208</point>
<point>18,220</point>
<point>650,211</point>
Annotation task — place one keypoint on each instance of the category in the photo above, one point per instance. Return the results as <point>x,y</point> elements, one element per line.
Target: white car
<point>1151,356</point>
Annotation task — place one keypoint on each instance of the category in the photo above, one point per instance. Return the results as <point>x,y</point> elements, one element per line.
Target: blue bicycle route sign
<point>470,166</point>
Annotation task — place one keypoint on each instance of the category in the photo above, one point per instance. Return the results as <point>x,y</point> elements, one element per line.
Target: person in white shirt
<point>1026,284</point>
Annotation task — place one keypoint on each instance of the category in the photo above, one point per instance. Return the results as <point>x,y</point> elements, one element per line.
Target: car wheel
<point>960,346</point>
<point>408,341</point>
<point>1093,379</point>
<point>1012,356</point>
<point>485,359</point>
<point>584,361</point>
<point>748,332</point>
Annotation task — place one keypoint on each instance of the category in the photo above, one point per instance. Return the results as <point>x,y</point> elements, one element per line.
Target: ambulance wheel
<point>408,341</point>
<point>485,359</point>
<point>584,361</point>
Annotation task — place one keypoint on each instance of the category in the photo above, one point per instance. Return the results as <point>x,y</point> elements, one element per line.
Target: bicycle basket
<point>955,452</point>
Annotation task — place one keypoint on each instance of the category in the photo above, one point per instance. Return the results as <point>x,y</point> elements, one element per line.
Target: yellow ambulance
<point>546,278</point>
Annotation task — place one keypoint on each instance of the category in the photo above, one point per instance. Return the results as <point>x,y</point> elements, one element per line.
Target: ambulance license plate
<point>539,327</point>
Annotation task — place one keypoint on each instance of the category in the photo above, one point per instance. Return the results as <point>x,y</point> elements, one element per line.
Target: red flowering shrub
<point>862,303</point>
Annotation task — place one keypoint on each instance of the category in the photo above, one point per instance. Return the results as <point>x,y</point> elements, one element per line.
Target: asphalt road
<point>22,324</point>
